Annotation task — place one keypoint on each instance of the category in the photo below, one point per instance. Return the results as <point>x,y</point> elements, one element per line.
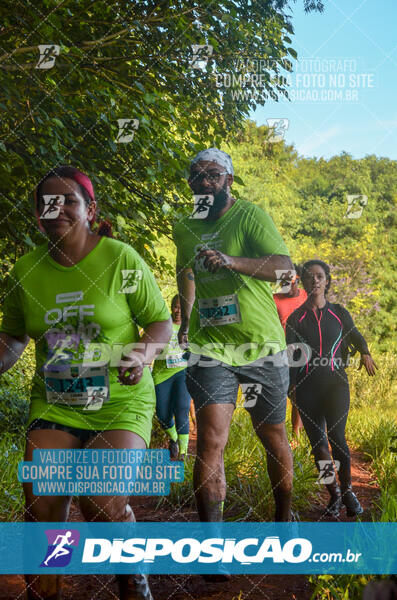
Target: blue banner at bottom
<point>172,548</point>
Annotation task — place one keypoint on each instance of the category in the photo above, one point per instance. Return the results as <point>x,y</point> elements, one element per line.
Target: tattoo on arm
<point>190,276</point>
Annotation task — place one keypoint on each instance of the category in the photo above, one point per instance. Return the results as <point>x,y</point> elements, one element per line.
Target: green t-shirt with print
<point>234,317</point>
<point>81,317</point>
<point>170,361</point>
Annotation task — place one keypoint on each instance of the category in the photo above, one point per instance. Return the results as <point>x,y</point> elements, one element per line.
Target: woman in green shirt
<point>77,292</point>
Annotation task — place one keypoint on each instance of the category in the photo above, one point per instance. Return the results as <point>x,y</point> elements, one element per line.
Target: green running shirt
<point>251,328</point>
<point>171,355</point>
<point>98,303</point>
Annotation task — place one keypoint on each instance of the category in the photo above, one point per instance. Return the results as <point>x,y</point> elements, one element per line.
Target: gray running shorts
<point>264,384</point>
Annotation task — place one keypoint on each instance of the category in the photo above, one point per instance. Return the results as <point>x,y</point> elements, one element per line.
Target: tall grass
<point>249,493</point>
<point>14,406</point>
<point>11,496</point>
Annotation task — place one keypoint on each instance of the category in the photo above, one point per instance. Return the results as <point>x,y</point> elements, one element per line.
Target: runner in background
<point>83,288</point>
<point>320,386</point>
<point>286,303</point>
<point>172,397</point>
<point>228,316</point>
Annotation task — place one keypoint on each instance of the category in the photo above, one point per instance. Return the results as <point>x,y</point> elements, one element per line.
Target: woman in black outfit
<point>320,386</point>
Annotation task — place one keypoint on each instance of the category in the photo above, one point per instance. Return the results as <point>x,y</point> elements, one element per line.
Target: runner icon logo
<point>202,205</point>
<point>327,474</point>
<point>131,279</point>
<point>201,54</point>
<point>127,129</point>
<point>52,206</point>
<point>277,129</point>
<point>357,201</point>
<point>251,391</point>
<point>60,550</point>
<point>96,397</point>
<point>284,279</point>
<point>48,54</point>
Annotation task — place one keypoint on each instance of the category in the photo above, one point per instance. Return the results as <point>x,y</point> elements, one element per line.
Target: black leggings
<point>173,403</point>
<point>323,405</point>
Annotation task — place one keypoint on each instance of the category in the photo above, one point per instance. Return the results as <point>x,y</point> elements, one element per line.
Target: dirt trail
<point>193,587</point>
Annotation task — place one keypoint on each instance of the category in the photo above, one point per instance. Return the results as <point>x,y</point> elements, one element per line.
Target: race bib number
<point>175,360</point>
<point>219,311</point>
<point>77,385</point>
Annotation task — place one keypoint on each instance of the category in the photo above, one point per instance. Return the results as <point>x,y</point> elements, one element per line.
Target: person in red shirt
<point>286,303</point>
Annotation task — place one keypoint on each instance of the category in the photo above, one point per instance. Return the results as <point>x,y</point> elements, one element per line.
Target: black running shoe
<point>174,449</point>
<point>353,506</point>
<point>334,506</point>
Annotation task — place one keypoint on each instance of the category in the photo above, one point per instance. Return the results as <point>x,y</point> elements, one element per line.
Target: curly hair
<point>325,268</point>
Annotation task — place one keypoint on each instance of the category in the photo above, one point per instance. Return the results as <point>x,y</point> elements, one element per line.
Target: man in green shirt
<point>227,252</point>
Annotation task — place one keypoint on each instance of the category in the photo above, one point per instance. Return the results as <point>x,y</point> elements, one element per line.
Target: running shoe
<point>137,588</point>
<point>353,506</point>
<point>174,449</point>
<point>334,506</point>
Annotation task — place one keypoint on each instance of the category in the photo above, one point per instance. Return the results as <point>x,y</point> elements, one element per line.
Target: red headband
<point>83,180</point>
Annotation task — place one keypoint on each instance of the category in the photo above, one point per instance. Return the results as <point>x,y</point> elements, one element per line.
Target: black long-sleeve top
<point>328,334</point>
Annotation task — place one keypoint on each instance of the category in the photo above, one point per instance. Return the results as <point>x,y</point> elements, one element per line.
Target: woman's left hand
<point>369,364</point>
<point>131,369</point>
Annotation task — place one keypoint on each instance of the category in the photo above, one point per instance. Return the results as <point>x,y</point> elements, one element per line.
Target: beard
<point>220,201</point>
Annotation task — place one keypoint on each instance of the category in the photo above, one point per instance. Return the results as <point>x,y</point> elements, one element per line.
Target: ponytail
<point>105,229</point>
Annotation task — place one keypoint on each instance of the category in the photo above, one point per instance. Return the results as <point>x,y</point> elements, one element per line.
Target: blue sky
<point>361,37</point>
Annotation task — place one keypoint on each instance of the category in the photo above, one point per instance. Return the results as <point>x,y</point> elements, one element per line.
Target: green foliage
<point>125,60</point>
<point>307,199</point>
<point>15,392</point>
